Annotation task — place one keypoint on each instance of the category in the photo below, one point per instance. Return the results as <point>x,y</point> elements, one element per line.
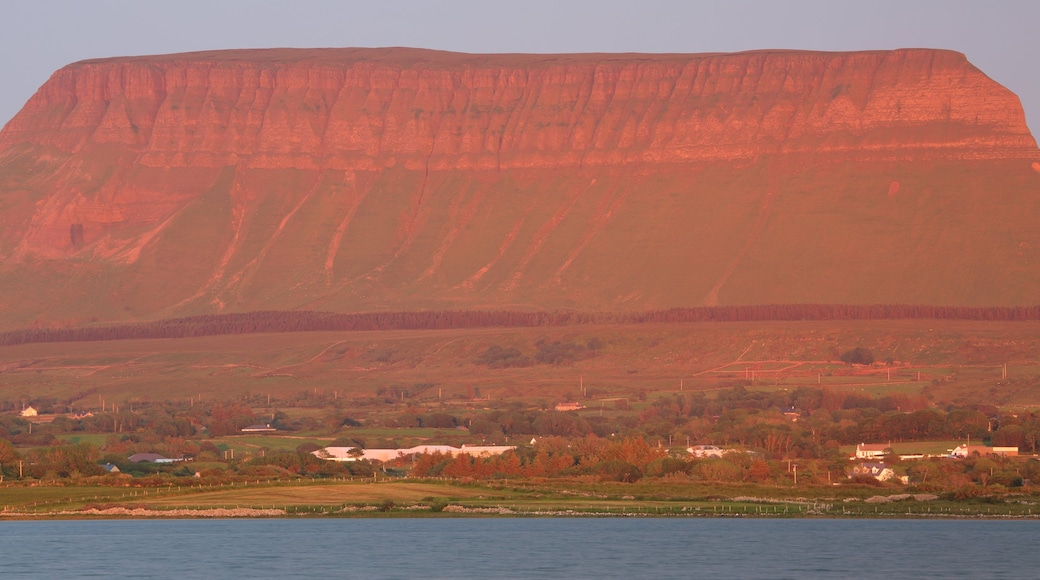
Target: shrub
<point>618,470</point>
<point>438,421</point>
<point>666,466</point>
<point>497,357</point>
<point>858,356</point>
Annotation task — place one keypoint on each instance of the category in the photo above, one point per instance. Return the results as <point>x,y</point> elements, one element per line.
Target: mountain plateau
<point>402,179</point>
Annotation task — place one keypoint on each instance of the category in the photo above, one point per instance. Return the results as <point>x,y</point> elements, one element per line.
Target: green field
<point>253,443</point>
<point>924,447</point>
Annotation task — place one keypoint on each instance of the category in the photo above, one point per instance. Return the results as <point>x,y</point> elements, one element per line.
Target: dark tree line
<point>304,321</point>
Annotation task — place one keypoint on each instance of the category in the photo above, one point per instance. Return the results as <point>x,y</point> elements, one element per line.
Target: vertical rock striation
<point>397,178</point>
<point>360,108</point>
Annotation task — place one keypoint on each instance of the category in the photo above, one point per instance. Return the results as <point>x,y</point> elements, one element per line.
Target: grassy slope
<point>776,231</point>
<point>956,360</point>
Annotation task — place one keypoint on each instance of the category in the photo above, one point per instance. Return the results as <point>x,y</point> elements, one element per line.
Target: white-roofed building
<point>385,455</point>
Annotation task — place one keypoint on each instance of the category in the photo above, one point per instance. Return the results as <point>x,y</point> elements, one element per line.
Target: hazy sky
<point>38,37</point>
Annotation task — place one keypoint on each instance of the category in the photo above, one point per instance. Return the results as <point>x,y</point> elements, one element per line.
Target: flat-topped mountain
<point>399,179</point>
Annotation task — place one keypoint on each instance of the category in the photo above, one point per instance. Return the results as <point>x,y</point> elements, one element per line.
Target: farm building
<point>963,451</point>
<point>705,451</point>
<point>384,455</point>
<point>150,458</point>
<point>265,428</point>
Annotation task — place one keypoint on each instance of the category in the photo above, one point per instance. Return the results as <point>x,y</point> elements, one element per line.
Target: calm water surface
<point>520,548</point>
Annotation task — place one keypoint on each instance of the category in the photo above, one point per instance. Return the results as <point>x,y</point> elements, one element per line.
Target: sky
<point>37,38</point>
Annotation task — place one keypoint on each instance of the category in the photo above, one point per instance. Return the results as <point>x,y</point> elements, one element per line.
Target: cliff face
<point>363,109</point>
<point>398,178</point>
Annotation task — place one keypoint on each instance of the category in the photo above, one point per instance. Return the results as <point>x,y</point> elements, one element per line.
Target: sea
<point>520,548</point>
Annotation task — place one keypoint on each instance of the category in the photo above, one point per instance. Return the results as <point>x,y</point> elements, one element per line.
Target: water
<point>519,548</point>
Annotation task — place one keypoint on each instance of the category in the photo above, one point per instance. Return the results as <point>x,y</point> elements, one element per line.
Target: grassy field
<point>924,447</point>
<point>948,361</point>
<point>253,443</point>
<point>96,439</point>
<point>537,498</point>
<point>315,494</point>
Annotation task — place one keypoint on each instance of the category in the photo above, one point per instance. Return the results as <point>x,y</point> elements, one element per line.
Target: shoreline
<point>453,511</point>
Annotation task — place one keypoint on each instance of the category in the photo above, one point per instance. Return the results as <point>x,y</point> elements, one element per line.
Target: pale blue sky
<point>38,37</point>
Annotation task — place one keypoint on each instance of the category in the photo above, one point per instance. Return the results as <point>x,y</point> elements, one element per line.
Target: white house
<point>878,471</point>
<point>871,450</point>
<point>29,412</point>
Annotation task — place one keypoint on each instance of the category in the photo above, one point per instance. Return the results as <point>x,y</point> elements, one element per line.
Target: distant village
<point>793,438</point>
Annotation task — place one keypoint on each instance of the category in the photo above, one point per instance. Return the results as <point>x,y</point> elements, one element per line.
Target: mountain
<point>401,179</point>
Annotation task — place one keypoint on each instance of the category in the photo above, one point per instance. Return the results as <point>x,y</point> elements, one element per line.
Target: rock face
<point>366,179</point>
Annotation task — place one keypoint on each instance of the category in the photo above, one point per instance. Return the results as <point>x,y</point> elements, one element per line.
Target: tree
<point>1009,436</point>
<point>307,447</point>
<point>759,471</point>
<point>717,470</point>
<point>8,455</point>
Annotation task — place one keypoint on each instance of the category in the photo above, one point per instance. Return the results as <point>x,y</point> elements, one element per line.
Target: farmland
<point>780,394</point>
<point>946,360</point>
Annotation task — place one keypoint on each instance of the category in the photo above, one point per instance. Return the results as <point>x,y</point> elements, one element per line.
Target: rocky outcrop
<point>356,179</point>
